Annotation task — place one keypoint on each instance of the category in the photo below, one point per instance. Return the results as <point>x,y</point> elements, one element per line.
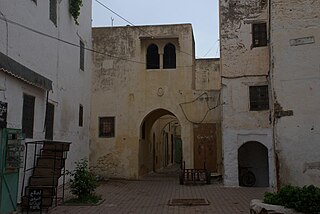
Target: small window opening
<point>259,98</point>
<point>153,59</point>
<point>53,11</point>
<point>169,57</point>
<point>80,115</point>
<point>81,55</point>
<point>28,115</point>
<point>49,121</point>
<point>107,127</point>
<point>259,35</point>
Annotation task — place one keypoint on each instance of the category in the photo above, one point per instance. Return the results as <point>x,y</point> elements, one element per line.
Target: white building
<point>246,127</point>
<point>270,83</point>
<point>43,59</point>
<point>295,75</point>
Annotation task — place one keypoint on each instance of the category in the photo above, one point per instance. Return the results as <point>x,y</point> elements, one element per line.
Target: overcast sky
<point>202,14</point>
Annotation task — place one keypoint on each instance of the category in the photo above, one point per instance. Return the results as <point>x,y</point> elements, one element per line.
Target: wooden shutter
<point>28,115</point>
<point>80,115</point>
<point>53,11</point>
<point>49,121</point>
<point>81,55</point>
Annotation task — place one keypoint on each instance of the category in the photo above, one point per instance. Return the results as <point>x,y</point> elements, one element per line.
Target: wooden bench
<point>194,176</point>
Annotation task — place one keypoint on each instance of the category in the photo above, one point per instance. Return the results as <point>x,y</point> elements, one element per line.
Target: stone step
<point>43,181</point>
<point>46,172</point>
<point>52,153</point>
<point>56,146</point>
<point>47,162</point>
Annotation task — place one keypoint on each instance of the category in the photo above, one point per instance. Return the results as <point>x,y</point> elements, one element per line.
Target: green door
<point>178,150</point>
<point>10,161</point>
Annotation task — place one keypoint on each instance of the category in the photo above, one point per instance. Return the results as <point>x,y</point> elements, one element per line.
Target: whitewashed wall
<point>242,66</point>
<point>295,42</point>
<point>54,60</point>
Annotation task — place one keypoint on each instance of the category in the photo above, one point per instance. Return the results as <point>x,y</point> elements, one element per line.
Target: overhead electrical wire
<point>89,49</point>
<point>73,44</point>
<point>126,20</point>
<point>6,20</point>
<point>209,108</point>
<point>66,42</point>
<point>211,48</point>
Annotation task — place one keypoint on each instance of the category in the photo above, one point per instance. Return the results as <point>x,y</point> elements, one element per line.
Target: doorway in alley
<point>253,165</point>
<point>160,141</point>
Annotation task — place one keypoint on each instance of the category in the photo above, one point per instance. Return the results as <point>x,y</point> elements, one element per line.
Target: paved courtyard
<point>152,193</point>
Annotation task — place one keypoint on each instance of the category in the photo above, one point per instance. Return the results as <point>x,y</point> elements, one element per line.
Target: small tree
<point>83,182</point>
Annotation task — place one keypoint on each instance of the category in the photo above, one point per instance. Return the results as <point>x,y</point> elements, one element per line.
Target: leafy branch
<point>74,9</point>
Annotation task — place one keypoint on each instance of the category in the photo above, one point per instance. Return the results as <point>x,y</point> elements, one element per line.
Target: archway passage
<point>160,141</point>
<point>253,165</point>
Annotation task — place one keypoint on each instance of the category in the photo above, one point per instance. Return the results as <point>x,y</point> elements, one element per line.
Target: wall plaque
<point>302,41</point>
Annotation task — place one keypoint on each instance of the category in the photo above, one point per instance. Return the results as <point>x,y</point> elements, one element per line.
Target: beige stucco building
<point>153,103</point>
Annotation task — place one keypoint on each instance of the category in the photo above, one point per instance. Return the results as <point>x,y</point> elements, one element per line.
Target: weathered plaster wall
<point>296,85</point>
<point>242,65</point>
<point>207,74</point>
<point>54,60</point>
<point>124,88</point>
<point>238,57</point>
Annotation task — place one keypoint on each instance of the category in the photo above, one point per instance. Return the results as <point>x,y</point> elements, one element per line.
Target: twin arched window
<point>169,56</point>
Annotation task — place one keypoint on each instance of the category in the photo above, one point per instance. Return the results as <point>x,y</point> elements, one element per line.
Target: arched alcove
<point>253,157</point>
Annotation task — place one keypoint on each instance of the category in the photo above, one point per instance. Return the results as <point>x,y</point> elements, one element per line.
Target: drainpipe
<point>273,99</point>
<point>46,112</point>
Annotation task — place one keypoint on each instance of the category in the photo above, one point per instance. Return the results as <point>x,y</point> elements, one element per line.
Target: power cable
<point>139,28</point>
<point>73,44</point>
<point>245,76</point>
<point>211,48</point>
<point>66,42</point>
<point>208,105</point>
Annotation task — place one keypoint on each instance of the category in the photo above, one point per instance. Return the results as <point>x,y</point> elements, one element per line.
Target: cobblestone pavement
<point>152,193</point>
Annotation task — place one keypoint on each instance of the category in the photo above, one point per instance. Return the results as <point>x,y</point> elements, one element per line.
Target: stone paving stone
<point>152,193</point>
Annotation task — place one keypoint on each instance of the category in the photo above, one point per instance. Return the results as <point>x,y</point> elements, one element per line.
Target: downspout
<point>273,100</point>
<point>46,112</point>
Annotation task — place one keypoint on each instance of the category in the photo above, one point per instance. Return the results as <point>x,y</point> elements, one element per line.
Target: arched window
<point>169,57</point>
<point>153,61</point>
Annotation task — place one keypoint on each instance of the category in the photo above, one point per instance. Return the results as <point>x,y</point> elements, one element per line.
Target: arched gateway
<point>160,143</point>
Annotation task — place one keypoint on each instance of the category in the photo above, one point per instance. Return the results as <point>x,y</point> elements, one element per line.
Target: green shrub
<point>305,199</point>
<point>74,8</point>
<point>83,183</point>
